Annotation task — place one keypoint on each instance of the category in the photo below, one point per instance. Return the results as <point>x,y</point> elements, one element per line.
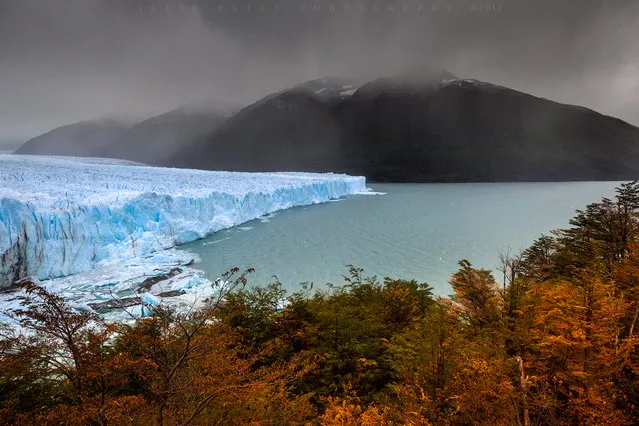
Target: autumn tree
<point>424,358</point>
<point>538,260</point>
<point>349,411</point>
<point>575,356</point>
<point>71,355</point>
<point>190,372</point>
<point>476,296</point>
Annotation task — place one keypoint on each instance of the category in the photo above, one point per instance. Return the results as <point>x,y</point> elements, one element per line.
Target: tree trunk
<point>159,417</point>
<point>524,390</point>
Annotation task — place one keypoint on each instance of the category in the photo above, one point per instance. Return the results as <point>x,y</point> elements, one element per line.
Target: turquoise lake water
<point>414,231</point>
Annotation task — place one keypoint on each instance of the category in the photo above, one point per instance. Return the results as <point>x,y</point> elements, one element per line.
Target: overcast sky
<point>63,61</point>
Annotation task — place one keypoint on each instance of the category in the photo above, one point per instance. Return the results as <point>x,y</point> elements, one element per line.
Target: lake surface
<point>414,231</point>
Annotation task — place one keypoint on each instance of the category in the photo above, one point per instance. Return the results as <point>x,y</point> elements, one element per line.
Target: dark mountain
<point>411,129</point>
<point>156,140</point>
<point>152,141</point>
<point>83,139</point>
<point>466,130</point>
<point>291,130</point>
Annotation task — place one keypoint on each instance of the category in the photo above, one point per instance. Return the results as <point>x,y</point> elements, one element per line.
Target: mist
<point>63,61</point>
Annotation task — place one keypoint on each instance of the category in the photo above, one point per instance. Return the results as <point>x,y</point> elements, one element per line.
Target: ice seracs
<point>62,216</point>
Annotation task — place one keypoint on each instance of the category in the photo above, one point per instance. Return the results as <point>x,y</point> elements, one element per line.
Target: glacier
<point>61,216</point>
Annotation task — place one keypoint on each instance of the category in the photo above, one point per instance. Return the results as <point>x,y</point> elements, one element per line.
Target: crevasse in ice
<point>61,216</point>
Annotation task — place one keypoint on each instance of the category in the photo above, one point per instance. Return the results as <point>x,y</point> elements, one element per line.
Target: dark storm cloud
<point>67,60</point>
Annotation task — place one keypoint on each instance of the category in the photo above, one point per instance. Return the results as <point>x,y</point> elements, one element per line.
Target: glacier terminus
<point>61,216</point>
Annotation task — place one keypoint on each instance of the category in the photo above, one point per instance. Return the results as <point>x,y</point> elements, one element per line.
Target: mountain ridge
<point>447,130</point>
<point>431,127</point>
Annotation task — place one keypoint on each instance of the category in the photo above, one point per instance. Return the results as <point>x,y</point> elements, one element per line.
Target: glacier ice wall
<point>61,216</point>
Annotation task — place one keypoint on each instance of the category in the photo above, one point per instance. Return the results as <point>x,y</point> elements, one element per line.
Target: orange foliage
<point>578,345</point>
<point>348,412</point>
